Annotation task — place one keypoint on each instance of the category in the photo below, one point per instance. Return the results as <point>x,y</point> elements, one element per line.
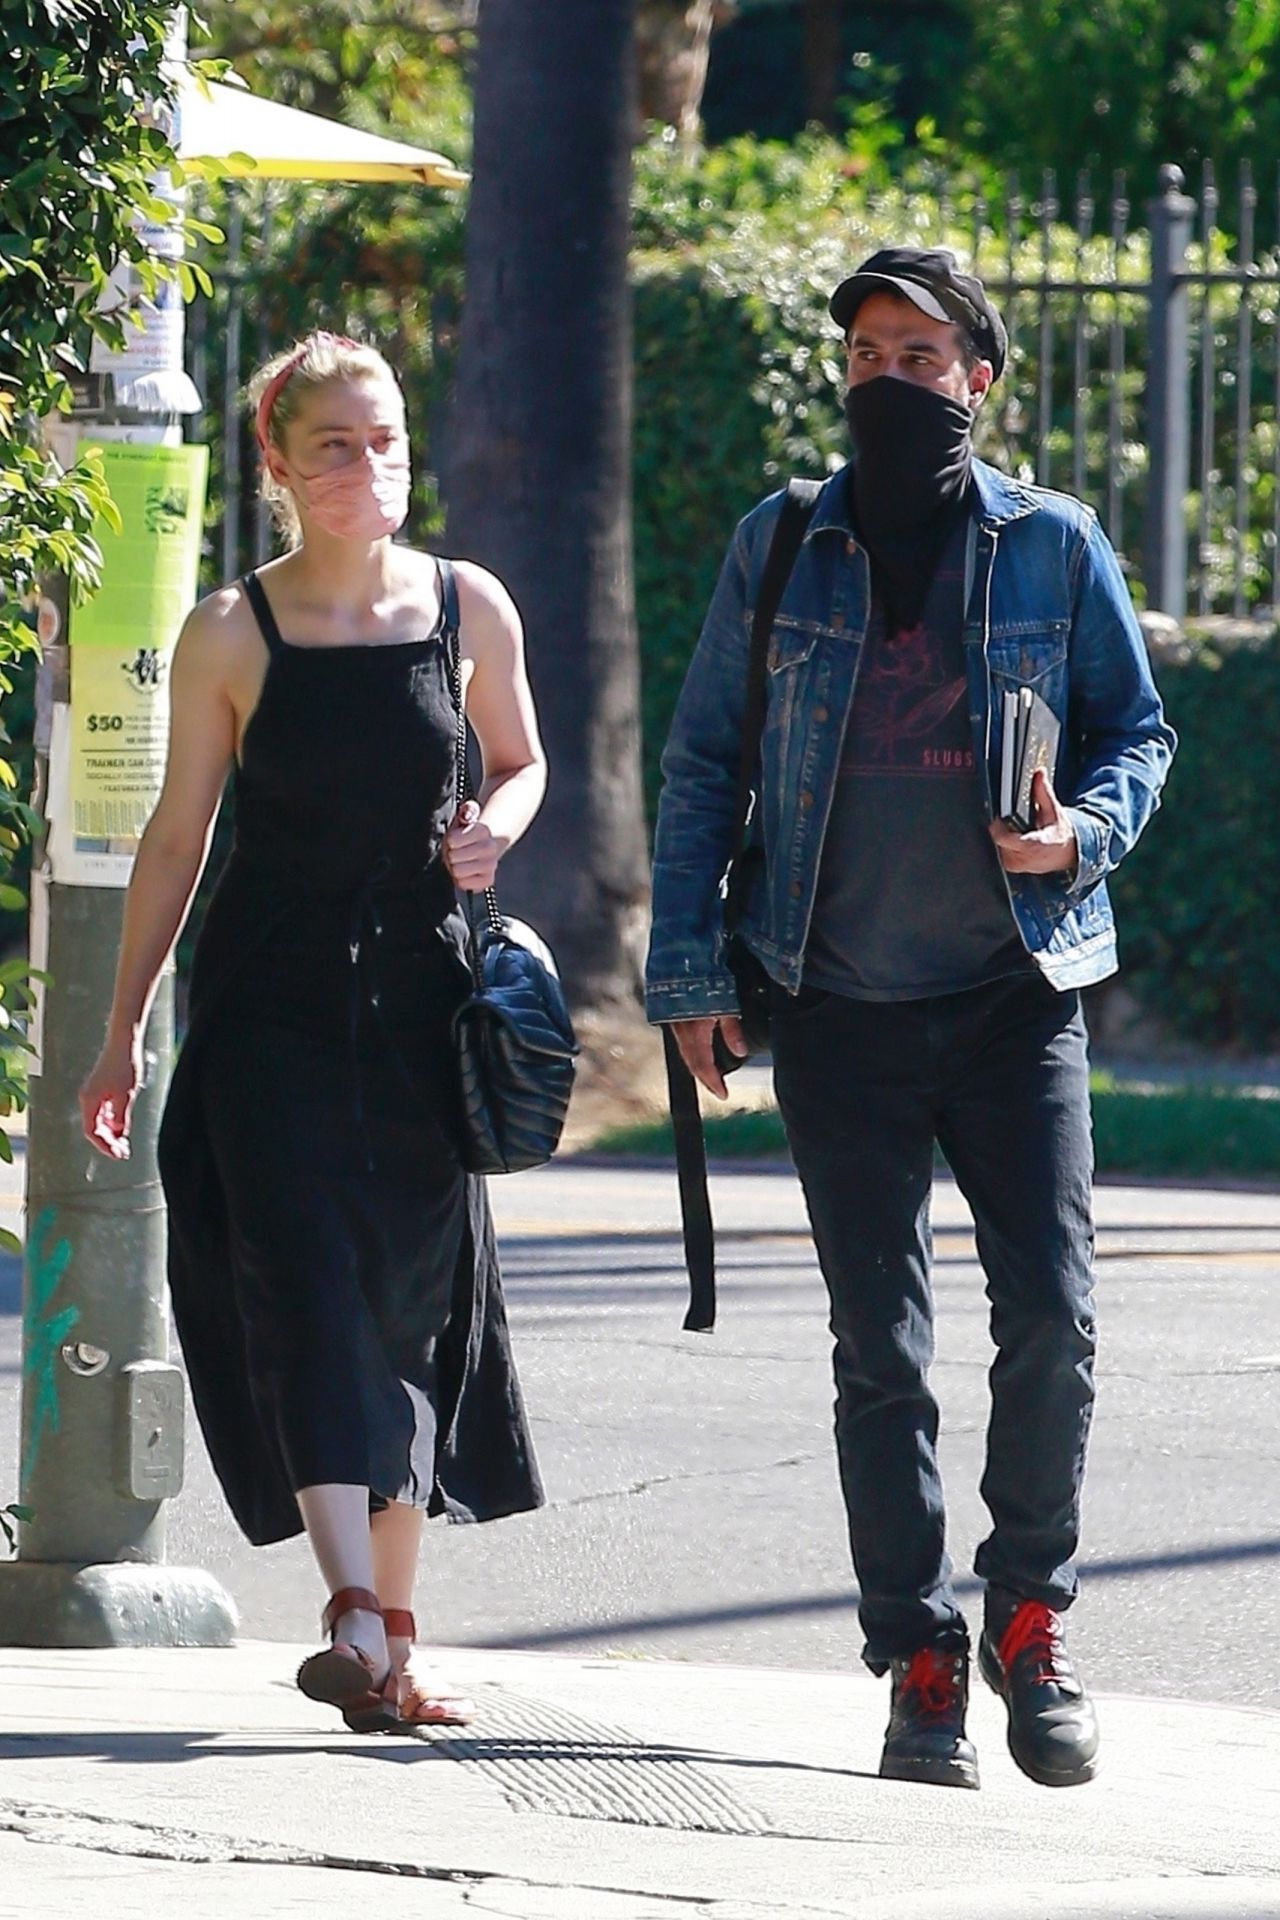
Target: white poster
<point>153,323</point>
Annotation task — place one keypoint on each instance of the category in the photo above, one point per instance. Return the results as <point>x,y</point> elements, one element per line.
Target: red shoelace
<point>932,1676</point>
<point>1037,1630</point>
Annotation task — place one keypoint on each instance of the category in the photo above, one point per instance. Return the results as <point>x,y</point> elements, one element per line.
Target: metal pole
<point>1044,405</point>
<point>1208,394</point>
<point>262,530</point>
<point>1011,410</point>
<point>1244,387</point>
<point>102,1407</point>
<point>231,387</point>
<point>1080,381</point>
<point>1168,392</point>
<point>1115,376</point>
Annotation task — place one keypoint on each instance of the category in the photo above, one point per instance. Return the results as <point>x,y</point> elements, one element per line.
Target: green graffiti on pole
<point>44,1332</point>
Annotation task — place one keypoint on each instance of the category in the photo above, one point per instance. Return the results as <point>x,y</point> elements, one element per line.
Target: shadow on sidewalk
<point>168,1748</point>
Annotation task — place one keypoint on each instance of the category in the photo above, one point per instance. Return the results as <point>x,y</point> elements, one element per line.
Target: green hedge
<point>702,458</point>
<point>1158,1132</point>
<point>1198,902</point>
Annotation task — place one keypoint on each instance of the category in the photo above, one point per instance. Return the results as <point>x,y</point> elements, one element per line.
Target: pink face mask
<point>366,499</point>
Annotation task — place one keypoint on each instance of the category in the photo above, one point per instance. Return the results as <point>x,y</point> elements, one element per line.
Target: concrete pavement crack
<point>678,1479</point>
<point>696,1345</point>
<point>96,1833</point>
<point>1230,1372</point>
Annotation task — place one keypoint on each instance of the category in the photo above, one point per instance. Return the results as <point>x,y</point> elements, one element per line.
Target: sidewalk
<point>189,1783</point>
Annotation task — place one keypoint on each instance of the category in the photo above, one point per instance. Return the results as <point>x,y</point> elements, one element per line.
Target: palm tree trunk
<point>539,482</point>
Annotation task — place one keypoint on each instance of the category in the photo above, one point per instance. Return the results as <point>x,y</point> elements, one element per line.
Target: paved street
<point>693,1507</point>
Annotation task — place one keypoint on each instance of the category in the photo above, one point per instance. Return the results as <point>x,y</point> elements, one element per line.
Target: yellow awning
<point>220,122</point>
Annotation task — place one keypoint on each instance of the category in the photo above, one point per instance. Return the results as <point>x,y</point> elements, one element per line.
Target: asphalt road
<point>693,1505</point>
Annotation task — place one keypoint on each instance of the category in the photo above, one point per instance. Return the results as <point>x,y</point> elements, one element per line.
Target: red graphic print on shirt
<point>910,711</point>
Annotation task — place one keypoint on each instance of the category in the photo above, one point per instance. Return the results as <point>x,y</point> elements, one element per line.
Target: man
<point>926,963</point>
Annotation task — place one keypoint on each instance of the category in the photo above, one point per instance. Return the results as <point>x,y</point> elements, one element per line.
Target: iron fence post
<point>1168,398</point>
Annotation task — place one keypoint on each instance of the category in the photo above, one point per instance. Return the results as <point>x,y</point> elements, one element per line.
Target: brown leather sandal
<point>343,1676</point>
<point>377,1712</point>
<point>419,1707</point>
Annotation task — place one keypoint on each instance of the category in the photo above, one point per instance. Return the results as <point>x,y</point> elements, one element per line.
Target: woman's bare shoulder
<point>221,634</point>
<point>484,600</point>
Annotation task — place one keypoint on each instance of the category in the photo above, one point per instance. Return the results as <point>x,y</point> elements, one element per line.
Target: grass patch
<point>1182,1131</point>
<point>1186,1131</point>
<point>751,1133</point>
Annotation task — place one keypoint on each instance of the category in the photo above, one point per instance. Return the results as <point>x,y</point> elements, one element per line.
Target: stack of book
<point>1029,746</point>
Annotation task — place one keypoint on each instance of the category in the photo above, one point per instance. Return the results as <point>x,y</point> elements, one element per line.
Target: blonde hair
<point>313,362</point>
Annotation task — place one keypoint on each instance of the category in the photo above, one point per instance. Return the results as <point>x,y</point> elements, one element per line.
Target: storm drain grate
<point>546,1760</point>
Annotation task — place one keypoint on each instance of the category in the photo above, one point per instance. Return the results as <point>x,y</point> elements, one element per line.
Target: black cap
<point>929,277</point>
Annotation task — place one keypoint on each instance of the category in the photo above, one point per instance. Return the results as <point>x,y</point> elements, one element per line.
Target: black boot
<point>926,1738</point>
<point>1053,1732</point>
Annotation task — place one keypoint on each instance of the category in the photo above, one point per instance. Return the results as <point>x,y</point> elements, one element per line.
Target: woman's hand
<point>107,1097</point>
<point>471,851</point>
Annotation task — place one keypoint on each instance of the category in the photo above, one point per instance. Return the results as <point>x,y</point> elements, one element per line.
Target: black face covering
<point>908,480</point>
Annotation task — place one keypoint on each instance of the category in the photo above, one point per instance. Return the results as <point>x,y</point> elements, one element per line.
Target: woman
<point>333,1270</point>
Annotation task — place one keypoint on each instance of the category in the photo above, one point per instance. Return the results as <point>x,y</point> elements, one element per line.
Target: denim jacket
<point>1046,607</point>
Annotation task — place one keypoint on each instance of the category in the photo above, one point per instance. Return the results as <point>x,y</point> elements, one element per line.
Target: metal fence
<point>1144,371</point>
<point>1145,374</point>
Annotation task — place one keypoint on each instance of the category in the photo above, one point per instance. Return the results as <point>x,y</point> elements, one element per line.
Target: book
<point>1029,745</point>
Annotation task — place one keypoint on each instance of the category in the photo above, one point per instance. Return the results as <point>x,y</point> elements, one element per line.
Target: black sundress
<point>333,1270</point>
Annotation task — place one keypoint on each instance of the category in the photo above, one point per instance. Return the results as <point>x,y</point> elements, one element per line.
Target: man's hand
<point>694,1037</point>
<point>1050,846</point>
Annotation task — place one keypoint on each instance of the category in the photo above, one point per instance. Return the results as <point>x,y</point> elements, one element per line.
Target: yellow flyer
<point>122,643</point>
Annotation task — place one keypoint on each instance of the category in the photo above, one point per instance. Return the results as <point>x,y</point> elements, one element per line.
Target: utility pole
<point>1164,552</point>
<point>102,1405</point>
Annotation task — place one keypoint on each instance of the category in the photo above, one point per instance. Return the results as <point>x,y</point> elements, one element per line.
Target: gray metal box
<point>150,1430</point>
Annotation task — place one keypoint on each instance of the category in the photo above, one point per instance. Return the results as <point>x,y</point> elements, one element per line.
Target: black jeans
<point>998,1077</point>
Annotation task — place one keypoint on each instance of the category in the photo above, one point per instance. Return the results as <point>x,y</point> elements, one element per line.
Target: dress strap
<point>262,613</point>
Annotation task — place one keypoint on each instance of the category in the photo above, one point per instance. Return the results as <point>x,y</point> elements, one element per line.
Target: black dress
<point>333,1270</point>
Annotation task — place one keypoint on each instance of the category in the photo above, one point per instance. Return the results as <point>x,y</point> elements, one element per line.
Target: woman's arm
<point>500,707</point>
<point>170,859</point>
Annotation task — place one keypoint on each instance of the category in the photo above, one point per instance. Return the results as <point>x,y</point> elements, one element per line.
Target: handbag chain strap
<point>464,790</point>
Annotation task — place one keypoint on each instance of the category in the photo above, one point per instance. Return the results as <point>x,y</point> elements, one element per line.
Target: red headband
<point>278,381</point>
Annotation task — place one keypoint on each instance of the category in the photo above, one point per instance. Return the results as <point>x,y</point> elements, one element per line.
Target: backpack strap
<point>682,1091</point>
<point>788,537</point>
<point>262,613</point>
<point>696,1222</point>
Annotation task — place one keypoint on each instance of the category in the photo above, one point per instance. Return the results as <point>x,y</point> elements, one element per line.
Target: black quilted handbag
<point>513,1038</point>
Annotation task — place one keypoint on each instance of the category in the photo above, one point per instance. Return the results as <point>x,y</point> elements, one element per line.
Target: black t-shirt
<point>911,901</point>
